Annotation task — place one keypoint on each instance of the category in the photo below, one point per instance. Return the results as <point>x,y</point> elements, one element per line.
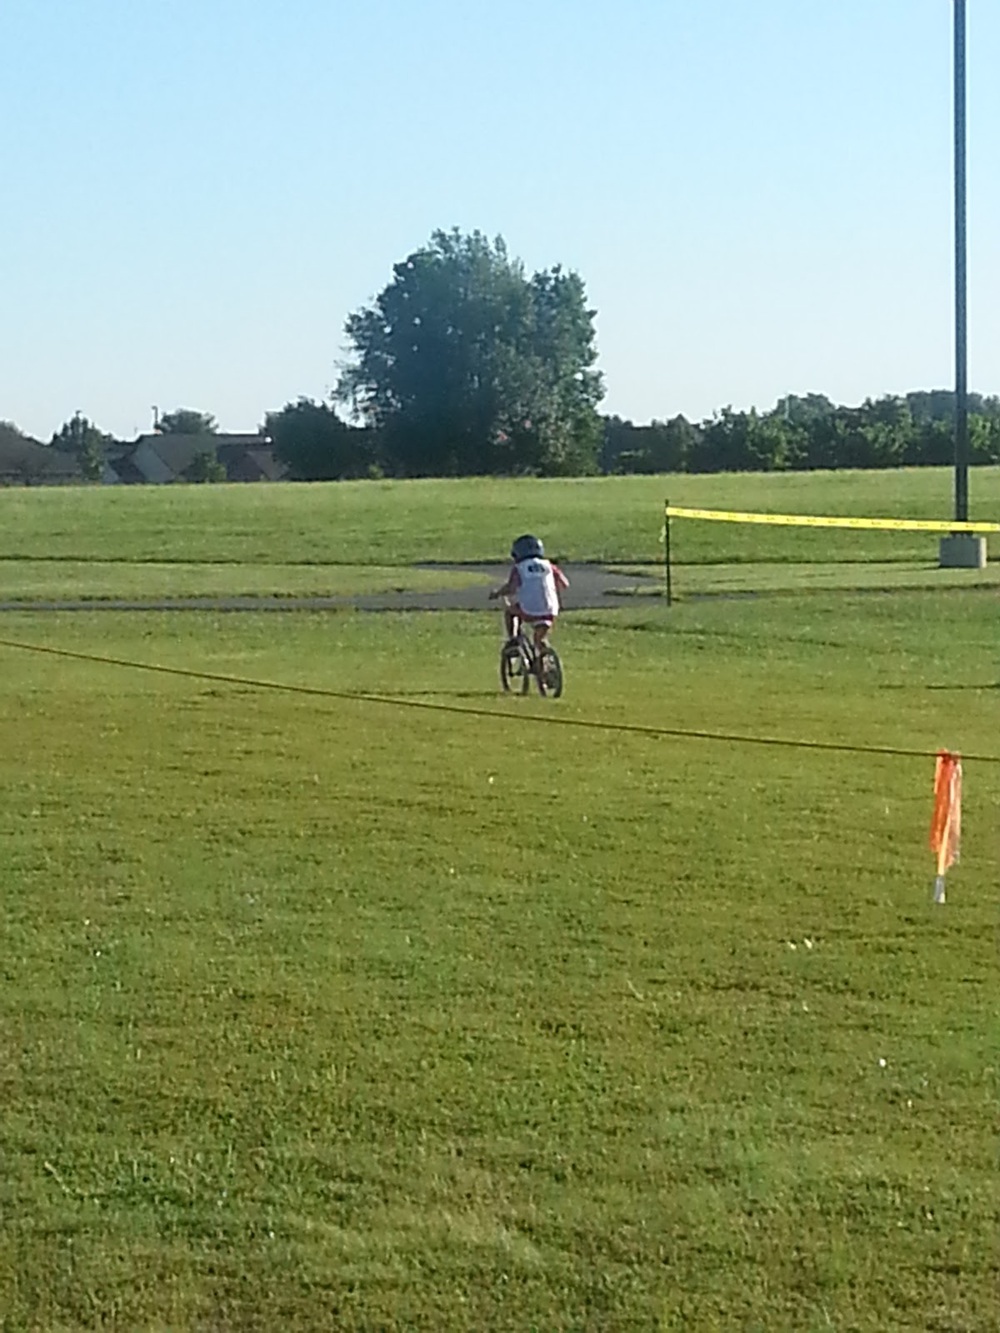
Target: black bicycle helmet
<point>526,548</point>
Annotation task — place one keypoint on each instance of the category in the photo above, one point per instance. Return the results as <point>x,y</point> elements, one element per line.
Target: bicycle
<point>522,660</point>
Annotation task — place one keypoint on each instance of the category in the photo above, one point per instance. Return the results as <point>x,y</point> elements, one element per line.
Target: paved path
<point>591,587</point>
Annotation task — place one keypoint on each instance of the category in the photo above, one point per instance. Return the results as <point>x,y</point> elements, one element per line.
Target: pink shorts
<point>547,621</point>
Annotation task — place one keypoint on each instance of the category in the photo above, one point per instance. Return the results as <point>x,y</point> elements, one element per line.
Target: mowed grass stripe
<point>542,718</point>
<point>394,523</point>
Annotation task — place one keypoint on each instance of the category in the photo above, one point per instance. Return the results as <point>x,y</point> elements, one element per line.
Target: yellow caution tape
<point>821,521</point>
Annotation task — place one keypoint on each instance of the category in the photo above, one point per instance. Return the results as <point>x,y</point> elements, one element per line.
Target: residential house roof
<point>167,457</point>
<point>25,462</point>
<point>121,470</point>
<point>254,462</point>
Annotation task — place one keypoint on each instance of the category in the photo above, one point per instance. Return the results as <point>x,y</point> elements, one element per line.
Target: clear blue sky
<point>757,193</point>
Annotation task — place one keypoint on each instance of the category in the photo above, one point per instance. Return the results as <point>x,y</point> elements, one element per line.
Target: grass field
<point>366,537</point>
<point>322,1012</point>
<point>392,523</point>
<point>27,580</point>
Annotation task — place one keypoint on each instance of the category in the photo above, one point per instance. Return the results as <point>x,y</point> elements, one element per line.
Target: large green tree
<point>81,437</point>
<point>187,421</point>
<point>662,446</point>
<point>464,365</point>
<point>316,445</point>
<point>741,442</point>
<point>10,435</point>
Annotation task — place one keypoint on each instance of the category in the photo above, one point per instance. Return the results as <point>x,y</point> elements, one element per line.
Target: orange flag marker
<point>946,823</point>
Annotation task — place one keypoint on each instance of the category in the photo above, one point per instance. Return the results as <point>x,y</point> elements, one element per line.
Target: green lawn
<point>797,576</point>
<point>60,579</point>
<point>397,523</point>
<point>329,1013</point>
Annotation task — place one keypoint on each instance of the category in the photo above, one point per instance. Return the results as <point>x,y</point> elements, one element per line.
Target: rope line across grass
<point>545,719</point>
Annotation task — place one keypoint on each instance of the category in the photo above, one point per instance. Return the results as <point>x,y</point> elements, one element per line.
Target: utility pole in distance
<point>962,550</point>
<point>961,281</point>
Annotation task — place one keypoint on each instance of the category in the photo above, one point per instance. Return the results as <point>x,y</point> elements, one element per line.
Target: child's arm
<point>507,588</point>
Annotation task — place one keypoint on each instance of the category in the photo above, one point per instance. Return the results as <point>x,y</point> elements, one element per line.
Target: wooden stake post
<point>666,551</point>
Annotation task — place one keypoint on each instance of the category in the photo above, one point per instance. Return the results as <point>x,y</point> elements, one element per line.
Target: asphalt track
<point>591,588</point>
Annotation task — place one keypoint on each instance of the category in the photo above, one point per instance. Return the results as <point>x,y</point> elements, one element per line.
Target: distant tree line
<point>811,432</point>
<point>800,433</point>
<point>465,365</point>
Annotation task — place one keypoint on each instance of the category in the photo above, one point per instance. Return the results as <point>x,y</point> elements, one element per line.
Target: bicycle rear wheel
<point>514,672</point>
<point>550,673</point>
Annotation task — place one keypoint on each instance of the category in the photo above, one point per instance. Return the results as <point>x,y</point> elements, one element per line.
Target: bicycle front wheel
<point>514,673</point>
<point>550,673</point>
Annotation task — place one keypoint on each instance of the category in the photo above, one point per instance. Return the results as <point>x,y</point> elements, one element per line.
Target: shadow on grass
<point>972,685</point>
<point>955,688</point>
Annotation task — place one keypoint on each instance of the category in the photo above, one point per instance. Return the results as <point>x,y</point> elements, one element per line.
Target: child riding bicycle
<point>532,590</point>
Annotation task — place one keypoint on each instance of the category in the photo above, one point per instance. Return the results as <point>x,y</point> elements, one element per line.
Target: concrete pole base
<point>962,550</point>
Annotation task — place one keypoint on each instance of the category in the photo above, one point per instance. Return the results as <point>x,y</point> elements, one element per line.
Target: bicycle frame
<point>536,657</point>
<point>519,629</point>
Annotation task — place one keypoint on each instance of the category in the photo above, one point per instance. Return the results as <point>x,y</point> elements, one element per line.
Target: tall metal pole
<point>961,303</point>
